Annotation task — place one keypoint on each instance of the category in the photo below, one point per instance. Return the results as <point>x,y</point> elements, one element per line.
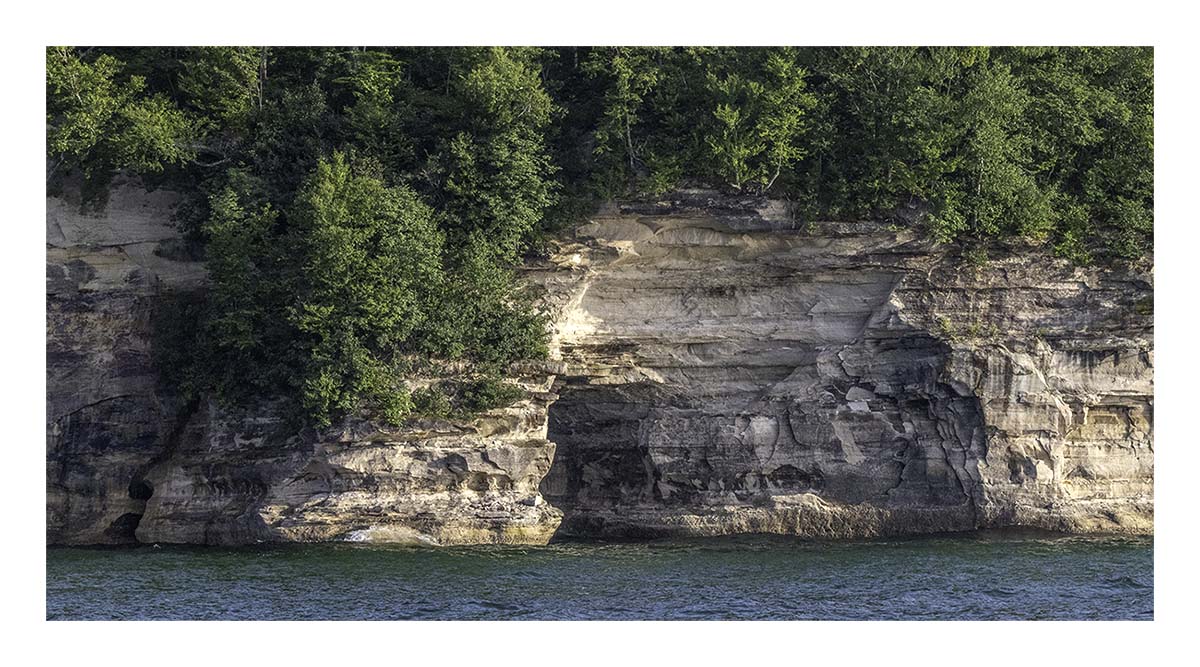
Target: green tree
<point>379,116</point>
<point>225,82</point>
<point>1001,195</point>
<point>244,321</point>
<point>886,130</point>
<point>368,253</point>
<point>734,143</point>
<point>783,124</point>
<point>760,120</point>
<point>484,313</point>
<point>100,125</point>
<point>296,130</point>
<point>1092,134</point>
<point>498,170</point>
<point>631,74</point>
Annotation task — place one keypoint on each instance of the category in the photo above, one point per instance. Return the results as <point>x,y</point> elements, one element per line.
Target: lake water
<point>971,576</point>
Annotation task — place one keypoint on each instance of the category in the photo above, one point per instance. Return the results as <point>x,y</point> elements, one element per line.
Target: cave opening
<point>123,529</point>
<point>140,489</point>
<point>600,459</point>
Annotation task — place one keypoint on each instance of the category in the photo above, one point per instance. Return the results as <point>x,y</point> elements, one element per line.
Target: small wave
<point>1127,582</point>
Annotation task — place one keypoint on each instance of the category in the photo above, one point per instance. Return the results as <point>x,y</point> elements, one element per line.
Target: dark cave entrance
<point>140,489</point>
<point>124,527</point>
<point>600,458</point>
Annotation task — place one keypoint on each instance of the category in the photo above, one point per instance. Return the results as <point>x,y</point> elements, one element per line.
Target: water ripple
<point>972,576</point>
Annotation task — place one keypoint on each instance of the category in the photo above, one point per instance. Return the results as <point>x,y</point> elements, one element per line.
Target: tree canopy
<point>362,209</point>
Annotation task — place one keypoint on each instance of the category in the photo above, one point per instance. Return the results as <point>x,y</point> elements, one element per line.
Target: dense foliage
<point>362,209</point>
<point>1052,145</point>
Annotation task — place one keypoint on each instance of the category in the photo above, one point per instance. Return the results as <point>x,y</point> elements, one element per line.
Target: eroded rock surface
<point>718,368</point>
<point>105,420</point>
<point>238,480</point>
<point>127,462</point>
<point>730,370</point>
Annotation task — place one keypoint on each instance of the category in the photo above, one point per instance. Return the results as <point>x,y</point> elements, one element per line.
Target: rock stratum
<point>717,367</point>
<point>728,369</point>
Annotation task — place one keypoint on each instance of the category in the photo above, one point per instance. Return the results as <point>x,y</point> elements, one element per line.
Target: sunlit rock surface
<point>729,369</point>
<point>718,367</point>
<point>250,479</point>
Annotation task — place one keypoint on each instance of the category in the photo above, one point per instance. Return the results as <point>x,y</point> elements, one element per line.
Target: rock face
<point>128,462</point>
<point>718,368</point>
<point>105,421</point>
<point>249,479</point>
<point>729,370</point>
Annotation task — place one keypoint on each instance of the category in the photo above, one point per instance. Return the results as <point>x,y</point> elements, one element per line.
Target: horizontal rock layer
<point>730,370</point>
<point>252,479</point>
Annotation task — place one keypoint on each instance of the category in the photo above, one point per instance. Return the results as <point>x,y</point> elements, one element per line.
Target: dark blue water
<point>974,576</point>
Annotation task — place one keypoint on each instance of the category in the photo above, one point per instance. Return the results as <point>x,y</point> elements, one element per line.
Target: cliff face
<point>237,480</point>
<point>105,421</point>
<point>730,370</point>
<point>128,462</point>
<point>718,368</point>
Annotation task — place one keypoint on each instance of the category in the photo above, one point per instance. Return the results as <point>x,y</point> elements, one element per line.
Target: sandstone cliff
<point>718,368</point>
<point>105,421</point>
<point>731,370</point>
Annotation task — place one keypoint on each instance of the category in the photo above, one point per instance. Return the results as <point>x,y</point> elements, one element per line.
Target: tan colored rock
<point>717,367</point>
<point>244,480</point>
<point>105,420</point>
<point>722,358</point>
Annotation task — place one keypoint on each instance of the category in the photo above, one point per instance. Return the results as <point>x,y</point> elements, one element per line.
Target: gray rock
<point>127,462</point>
<point>717,368</point>
<point>726,372</point>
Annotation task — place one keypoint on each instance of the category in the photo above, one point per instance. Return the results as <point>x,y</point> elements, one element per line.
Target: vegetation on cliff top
<point>363,208</point>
